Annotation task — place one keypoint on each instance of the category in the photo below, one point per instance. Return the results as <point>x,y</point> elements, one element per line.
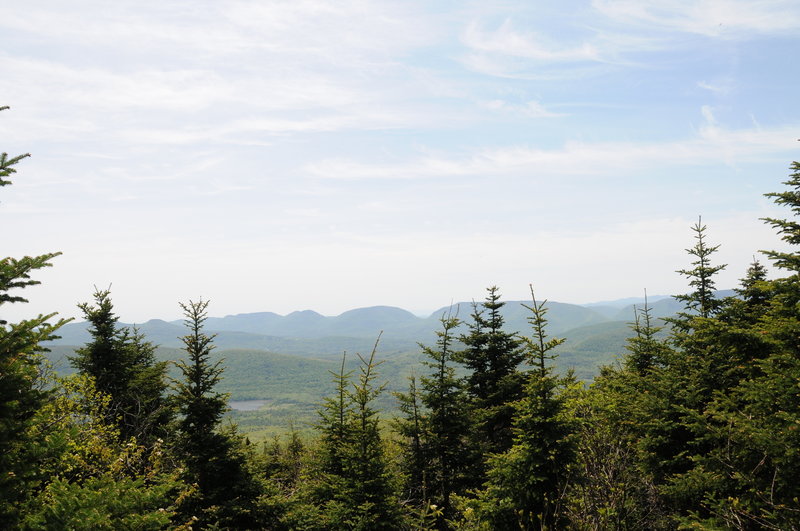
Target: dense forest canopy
<point>697,426</point>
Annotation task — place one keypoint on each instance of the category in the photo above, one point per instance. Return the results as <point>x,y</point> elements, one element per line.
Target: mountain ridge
<point>310,334</point>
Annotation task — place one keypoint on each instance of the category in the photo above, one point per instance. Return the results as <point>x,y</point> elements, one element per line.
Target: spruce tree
<point>449,451</point>
<point>788,229</point>
<point>356,489</point>
<point>674,431</point>
<point>21,393</point>
<point>701,301</point>
<point>326,485</point>
<point>715,353</point>
<point>526,484</point>
<point>228,493</point>
<point>123,366</point>
<point>413,430</point>
<point>370,483</point>
<point>335,423</point>
<point>753,465</point>
<point>645,350</point>
<point>494,382</point>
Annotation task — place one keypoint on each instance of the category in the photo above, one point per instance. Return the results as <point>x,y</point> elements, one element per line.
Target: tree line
<point>695,427</point>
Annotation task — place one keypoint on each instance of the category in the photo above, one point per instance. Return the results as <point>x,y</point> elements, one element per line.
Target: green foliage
<point>494,382</point>
<point>229,490</point>
<point>335,420</point>
<point>748,477</point>
<point>698,431</point>
<point>356,487</point>
<point>201,407</point>
<point>22,394</point>
<point>123,365</point>
<point>21,390</point>
<point>609,489</point>
<point>526,484</point>
<point>412,427</point>
<point>103,503</point>
<point>645,350</point>
<point>701,276</point>
<point>788,229</point>
<point>448,449</point>
<point>7,163</point>
<point>285,464</point>
<point>86,473</point>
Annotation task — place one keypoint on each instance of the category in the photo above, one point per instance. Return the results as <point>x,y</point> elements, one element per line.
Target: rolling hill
<point>286,361</point>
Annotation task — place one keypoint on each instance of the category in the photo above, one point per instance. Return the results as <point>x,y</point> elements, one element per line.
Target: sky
<point>305,154</point>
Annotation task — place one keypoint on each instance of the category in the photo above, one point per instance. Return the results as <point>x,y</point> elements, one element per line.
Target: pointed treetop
<point>788,230</point>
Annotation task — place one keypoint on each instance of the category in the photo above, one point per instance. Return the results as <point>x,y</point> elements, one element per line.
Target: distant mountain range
<point>310,334</point>
<point>285,360</point>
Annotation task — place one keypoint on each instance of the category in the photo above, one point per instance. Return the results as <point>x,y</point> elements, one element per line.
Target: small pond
<point>246,405</point>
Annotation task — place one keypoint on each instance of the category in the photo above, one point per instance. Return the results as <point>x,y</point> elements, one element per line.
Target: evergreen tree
<point>615,488</point>
<point>7,164</point>
<point>674,429</point>
<point>609,489</point>
<point>788,229</point>
<point>413,430</point>
<point>335,423</point>
<point>356,487</point>
<point>89,477</point>
<point>370,483</point>
<point>284,464</point>
<point>752,467</point>
<point>228,491</point>
<point>123,366</point>
<point>21,394</point>
<point>715,355</point>
<point>526,484</point>
<point>701,301</point>
<point>321,504</point>
<point>645,350</point>
<point>495,382</point>
<point>449,452</point>
<point>752,289</point>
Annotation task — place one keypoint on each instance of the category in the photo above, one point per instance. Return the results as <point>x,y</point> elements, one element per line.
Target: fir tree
<point>335,423</point>
<point>370,483</point>
<point>788,229</point>
<point>701,301</point>
<point>526,484</point>
<point>122,364</point>
<point>450,454</point>
<point>645,350</point>
<point>494,383</point>
<point>228,493</point>
<point>356,490</point>
<point>7,169</point>
<point>413,431</point>
<point>21,394</point>
<point>753,466</point>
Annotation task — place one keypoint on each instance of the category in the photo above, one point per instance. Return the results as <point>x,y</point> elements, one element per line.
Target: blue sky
<point>289,155</point>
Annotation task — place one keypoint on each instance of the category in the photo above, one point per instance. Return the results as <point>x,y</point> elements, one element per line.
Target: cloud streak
<point>735,19</point>
<point>711,145</point>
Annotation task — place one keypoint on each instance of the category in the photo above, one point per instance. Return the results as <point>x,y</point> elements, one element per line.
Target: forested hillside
<point>693,423</point>
<point>265,368</point>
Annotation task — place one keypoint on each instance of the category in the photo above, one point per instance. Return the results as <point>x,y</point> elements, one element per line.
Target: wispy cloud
<point>615,33</point>
<point>533,109</point>
<point>506,40</point>
<point>351,33</point>
<point>721,87</point>
<point>714,18</point>
<point>711,145</point>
